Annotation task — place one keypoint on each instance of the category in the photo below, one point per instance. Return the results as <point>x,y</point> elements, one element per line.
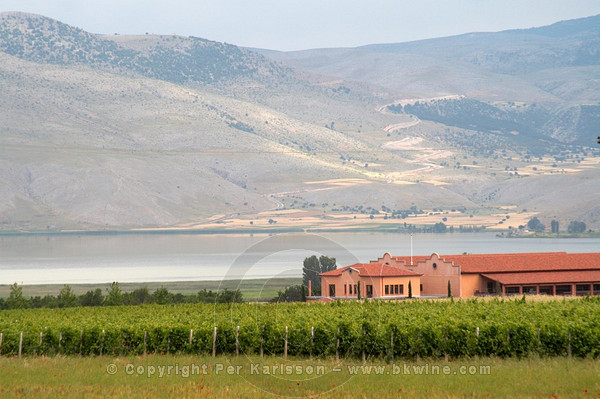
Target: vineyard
<point>383,330</point>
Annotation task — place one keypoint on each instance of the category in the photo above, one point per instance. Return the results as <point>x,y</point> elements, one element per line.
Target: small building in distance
<point>545,273</point>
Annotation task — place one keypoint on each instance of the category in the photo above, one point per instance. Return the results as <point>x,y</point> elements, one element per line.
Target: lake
<point>57,259</point>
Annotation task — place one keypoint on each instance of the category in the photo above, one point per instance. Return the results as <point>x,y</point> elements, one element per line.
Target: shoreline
<point>593,234</point>
<point>170,231</point>
<point>229,232</point>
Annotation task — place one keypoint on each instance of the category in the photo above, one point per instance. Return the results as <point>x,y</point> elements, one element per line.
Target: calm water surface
<point>59,259</point>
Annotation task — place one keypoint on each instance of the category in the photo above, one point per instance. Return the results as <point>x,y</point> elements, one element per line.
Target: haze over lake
<point>57,259</point>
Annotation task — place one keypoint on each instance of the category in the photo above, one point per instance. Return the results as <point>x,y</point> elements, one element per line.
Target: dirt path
<point>404,125</point>
<point>406,144</point>
<point>436,154</point>
<point>278,204</point>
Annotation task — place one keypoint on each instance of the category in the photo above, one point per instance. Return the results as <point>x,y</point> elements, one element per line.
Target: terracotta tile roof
<point>526,262</point>
<point>555,277</point>
<point>517,262</point>
<point>373,270</point>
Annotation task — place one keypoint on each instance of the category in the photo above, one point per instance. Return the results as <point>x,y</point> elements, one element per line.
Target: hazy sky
<point>301,24</point>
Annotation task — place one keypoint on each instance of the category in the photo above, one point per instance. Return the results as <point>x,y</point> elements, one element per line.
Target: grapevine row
<point>380,330</point>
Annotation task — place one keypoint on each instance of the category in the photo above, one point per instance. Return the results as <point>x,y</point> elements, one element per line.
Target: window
<point>355,290</point>
<point>401,289</point>
<point>350,286</point>
<point>345,288</point>
<point>512,290</point>
<point>546,290</point>
<point>563,290</point>
<point>529,290</point>
<point>396,289</point>
<point>582,289</point>
<point>387,290</point>
<point>434,265</point>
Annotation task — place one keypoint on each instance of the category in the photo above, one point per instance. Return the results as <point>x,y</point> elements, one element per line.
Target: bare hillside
<point>122,132</point>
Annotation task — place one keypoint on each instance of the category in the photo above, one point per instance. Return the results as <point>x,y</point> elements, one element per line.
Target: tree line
<point>574,226</point>
<point>311,268</point>
<point>114,296</point>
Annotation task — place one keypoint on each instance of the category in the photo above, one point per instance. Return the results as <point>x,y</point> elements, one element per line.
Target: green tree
<point>439,227</point>
<point>576,227</point>
<point>207,296</point>
<point>67,298</point>
<point>294,293</point>
<point>180,298</point>
<point>327,263</point>
<point>92,298</point>
<point>230,296</point>
<point>114,296</point>
<point>554,226</point>
<point>16,300</point>
<point>310,272</point>
<point>498,288</point>
<point>48,301</point>
<point>409,289</point>
<point>162,296</point>
<point>449,290</point>
<point>314,266</point>
<point>358,290</point>
<point>140,296</point>
<point>534,224</point>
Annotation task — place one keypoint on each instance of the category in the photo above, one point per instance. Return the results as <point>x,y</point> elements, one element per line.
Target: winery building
<point>370,280</point>
<point>544,273</point>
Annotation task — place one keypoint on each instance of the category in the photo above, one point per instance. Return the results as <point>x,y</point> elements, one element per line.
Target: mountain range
<point>127,132</point>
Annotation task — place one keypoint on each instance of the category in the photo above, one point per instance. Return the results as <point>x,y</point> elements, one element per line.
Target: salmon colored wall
<point>339,281</point>
<point>387,259</point>
<point>378,284</point>
<point>472,283</point>
<point>435,280</point>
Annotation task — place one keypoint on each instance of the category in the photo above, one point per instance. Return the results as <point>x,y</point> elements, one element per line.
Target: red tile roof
<point>555,277</point>
<point>518,262</point>
<point>373,270</point>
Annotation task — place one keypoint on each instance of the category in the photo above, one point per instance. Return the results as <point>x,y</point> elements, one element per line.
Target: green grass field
<point>252,289</point>
<point>140,377</point>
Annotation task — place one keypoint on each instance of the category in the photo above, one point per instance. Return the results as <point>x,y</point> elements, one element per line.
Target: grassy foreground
<point>140,377</point>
